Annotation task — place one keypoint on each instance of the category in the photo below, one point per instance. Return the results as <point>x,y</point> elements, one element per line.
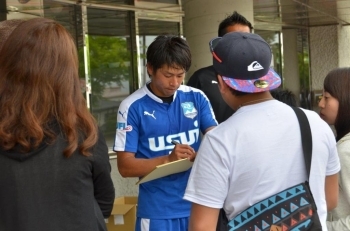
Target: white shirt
<point>340,216</point>
<point>256,153</point>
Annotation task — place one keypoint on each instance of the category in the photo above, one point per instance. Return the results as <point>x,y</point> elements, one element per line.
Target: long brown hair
<point>337,83</point>
<point>39,87</point>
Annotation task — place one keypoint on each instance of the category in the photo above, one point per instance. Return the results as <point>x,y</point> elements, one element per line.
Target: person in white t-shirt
<point>257,152</point>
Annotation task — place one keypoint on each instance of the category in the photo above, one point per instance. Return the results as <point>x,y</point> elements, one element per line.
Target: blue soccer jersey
<point>146,126</point>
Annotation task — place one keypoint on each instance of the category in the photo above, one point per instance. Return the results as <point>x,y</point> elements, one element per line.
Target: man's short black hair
<point>284,95</point>
<point>231,20</point>
<point>169,50</point>
<point>233,91</point>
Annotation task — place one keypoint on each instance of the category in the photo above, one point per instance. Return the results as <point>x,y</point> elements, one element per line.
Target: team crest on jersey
<point>189,110</point>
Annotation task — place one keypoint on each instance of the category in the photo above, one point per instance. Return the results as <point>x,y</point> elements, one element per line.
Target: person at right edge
<point>205,78</point>
<point>335,110</point>
<point>257,152</point>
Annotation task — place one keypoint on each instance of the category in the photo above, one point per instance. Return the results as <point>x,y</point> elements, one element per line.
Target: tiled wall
<point>323,53</point>
<point>123,186</point>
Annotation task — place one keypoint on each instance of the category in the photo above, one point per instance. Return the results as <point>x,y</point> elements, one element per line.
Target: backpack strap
<point>306,137</point>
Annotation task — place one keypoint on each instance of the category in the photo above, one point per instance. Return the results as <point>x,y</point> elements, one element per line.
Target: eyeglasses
<point>212,45</point>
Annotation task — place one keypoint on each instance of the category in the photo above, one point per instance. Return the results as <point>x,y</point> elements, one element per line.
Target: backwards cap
<point>243,60</point>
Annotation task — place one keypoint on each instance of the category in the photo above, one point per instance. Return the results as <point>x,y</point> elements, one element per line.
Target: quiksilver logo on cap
<point>255,66</point>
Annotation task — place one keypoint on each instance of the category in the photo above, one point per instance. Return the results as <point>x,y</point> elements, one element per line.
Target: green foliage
<point>109,60</point>
<point>303,60</point>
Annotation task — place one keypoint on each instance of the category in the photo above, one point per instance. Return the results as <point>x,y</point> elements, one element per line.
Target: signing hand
<point>182,151</point>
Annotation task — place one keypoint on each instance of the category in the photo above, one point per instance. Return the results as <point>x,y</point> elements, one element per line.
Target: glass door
<point>110,65</point>
<point>147,32</point>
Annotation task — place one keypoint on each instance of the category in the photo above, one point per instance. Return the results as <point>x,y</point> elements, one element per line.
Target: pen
<point>174,142</point>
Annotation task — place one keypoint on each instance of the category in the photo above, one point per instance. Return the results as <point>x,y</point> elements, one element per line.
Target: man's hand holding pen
<point>181,151</point>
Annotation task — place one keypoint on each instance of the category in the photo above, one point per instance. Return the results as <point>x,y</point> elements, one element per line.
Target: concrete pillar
<point>323,53</point>
<point>344,46</point>
<point>201,21</point>
<point>291,69</point>
<point>3,10</point>
<point>329,49</point>
<point>323,56</point>
<point>343,36</point>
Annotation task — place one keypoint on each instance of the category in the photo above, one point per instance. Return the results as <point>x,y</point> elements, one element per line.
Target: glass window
<point>274,39</point>
<point>108,2</point>
<point>147,32</point>
<point>304,69</point>
<point>159,1</point>
<point>110,66</point>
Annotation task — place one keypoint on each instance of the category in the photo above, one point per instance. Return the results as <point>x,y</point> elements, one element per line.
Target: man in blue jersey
<point>149,120</point>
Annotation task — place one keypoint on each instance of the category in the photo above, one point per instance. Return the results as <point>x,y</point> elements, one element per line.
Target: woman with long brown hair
<point>335,110</point>
<point>55,170</point>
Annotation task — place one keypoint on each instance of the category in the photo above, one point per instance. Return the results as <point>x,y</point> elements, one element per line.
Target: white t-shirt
<point>256,153</point>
